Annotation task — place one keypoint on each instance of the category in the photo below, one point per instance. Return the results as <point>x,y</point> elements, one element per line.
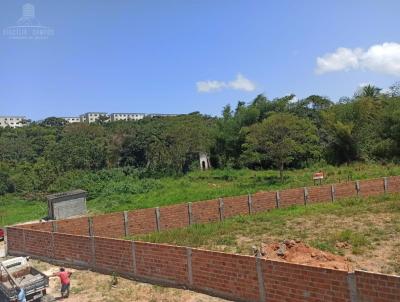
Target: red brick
<point>263,201</point>
<point>175,216</point>
<point>161,262</point>
<point>205,211</point>
<point>236,205</point>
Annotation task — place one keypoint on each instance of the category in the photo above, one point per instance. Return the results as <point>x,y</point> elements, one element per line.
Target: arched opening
<point>203,165</point>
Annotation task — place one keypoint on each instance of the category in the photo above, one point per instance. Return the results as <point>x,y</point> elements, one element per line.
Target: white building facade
<point>12,121</point>
<point>91,117</point>
<point>73,119</point>
<point>114,117</point>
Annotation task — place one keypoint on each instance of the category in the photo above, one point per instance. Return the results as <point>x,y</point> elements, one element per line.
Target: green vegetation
<point>14,209</point>
<point>154,161</point>
<point>361,229</point>
<point>263,134</point>
<point>112,190</point>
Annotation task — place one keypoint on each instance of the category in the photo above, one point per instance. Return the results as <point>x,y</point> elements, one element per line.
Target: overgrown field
<point>366,231</point>
<point>112,190</point>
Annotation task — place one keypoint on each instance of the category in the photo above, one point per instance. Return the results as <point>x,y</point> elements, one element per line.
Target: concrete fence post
<point>93,250</point>
<point>190,213</point>
<point>53,249</point>
<point>90,223</point>
<point>158,219</point>
<point>126,226</point>
<point>385,184</point>
<point>358,187</point>
<point>134,258</point>
<point>305,195</point>
<point>221,209</point>
<point>352,286</point>
<point>250,203</point>
<point>333,192</point>
<point>189,264</point>
<point>54,226</point>
<point>260,277</point>
<point>23,241</point>
<point>5,242</point>
<point>278,199</point>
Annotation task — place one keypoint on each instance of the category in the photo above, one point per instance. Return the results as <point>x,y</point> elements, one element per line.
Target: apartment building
<point>12,121</point>
<point>91,117</point>
<point>126,116</point>
<point>160,114</point>
<point>71,120</point>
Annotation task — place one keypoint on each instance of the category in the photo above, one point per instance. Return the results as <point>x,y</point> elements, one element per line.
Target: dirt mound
<point>297,252</point>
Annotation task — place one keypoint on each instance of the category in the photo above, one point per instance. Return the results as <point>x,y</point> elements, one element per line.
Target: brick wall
<point>15,241</point>
<point>161,262</point>
<point>293,282</point>
<point>393,184</point>
<point>175,216</point>
<point>39,226</point>
<point>263,201</point>
<point>291,197</point>
<point>113,255</point>
<point>345,190</point>
<point>236,205</point>
<point>377,287</point>
<point>142,221</point>
<point>38,243</point>
<point>227,275</point>
<point>237,277</point>
<point>75,226</point>
<point>109,225</point>
<point>319,194</point>
<point>73,249</point>
<point>372,187</point>
<point>205,211</point>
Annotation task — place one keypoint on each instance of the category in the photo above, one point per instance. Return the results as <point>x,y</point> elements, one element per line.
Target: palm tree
<point>368,91</point>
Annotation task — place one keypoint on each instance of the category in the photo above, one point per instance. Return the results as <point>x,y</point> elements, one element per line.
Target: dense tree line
<point>264,133</point>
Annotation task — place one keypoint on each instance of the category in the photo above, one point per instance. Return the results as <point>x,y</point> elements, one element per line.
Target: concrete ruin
<point>66,204</point>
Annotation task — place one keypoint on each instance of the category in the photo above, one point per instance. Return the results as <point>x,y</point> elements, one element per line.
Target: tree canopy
<point>262,133</point>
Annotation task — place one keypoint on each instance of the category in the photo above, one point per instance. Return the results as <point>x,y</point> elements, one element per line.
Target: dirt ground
<point>297,252</point>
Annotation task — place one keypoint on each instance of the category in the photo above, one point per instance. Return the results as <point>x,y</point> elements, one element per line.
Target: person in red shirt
<point>65,281</point>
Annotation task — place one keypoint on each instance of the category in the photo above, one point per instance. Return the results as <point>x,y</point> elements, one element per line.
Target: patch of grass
<point>323,246</point>
<point>358,241</point>
<point>14,210</point>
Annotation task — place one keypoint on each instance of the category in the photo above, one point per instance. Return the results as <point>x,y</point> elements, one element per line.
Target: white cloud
<point>382,58</point>
<point>207,86</point>
<point>342,59</point>
<point>240,83</point>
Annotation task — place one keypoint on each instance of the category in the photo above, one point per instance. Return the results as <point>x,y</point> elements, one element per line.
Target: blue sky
<point>183,56</point>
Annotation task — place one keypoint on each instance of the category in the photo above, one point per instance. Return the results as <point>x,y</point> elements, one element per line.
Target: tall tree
<point>282,138</point>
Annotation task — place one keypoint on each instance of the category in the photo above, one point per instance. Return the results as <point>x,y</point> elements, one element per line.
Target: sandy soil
<point>87,286</point>
<point>381,255</point>
<point>300,253</point>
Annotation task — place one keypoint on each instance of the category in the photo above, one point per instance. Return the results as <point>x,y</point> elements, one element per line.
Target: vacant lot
<point>366,231</point>
<point>110,192</point>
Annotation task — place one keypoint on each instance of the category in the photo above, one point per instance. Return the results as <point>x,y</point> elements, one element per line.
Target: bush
<point>6,184</point>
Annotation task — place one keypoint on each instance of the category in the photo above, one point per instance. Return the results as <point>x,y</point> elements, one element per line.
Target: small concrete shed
<point>67,204</point>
